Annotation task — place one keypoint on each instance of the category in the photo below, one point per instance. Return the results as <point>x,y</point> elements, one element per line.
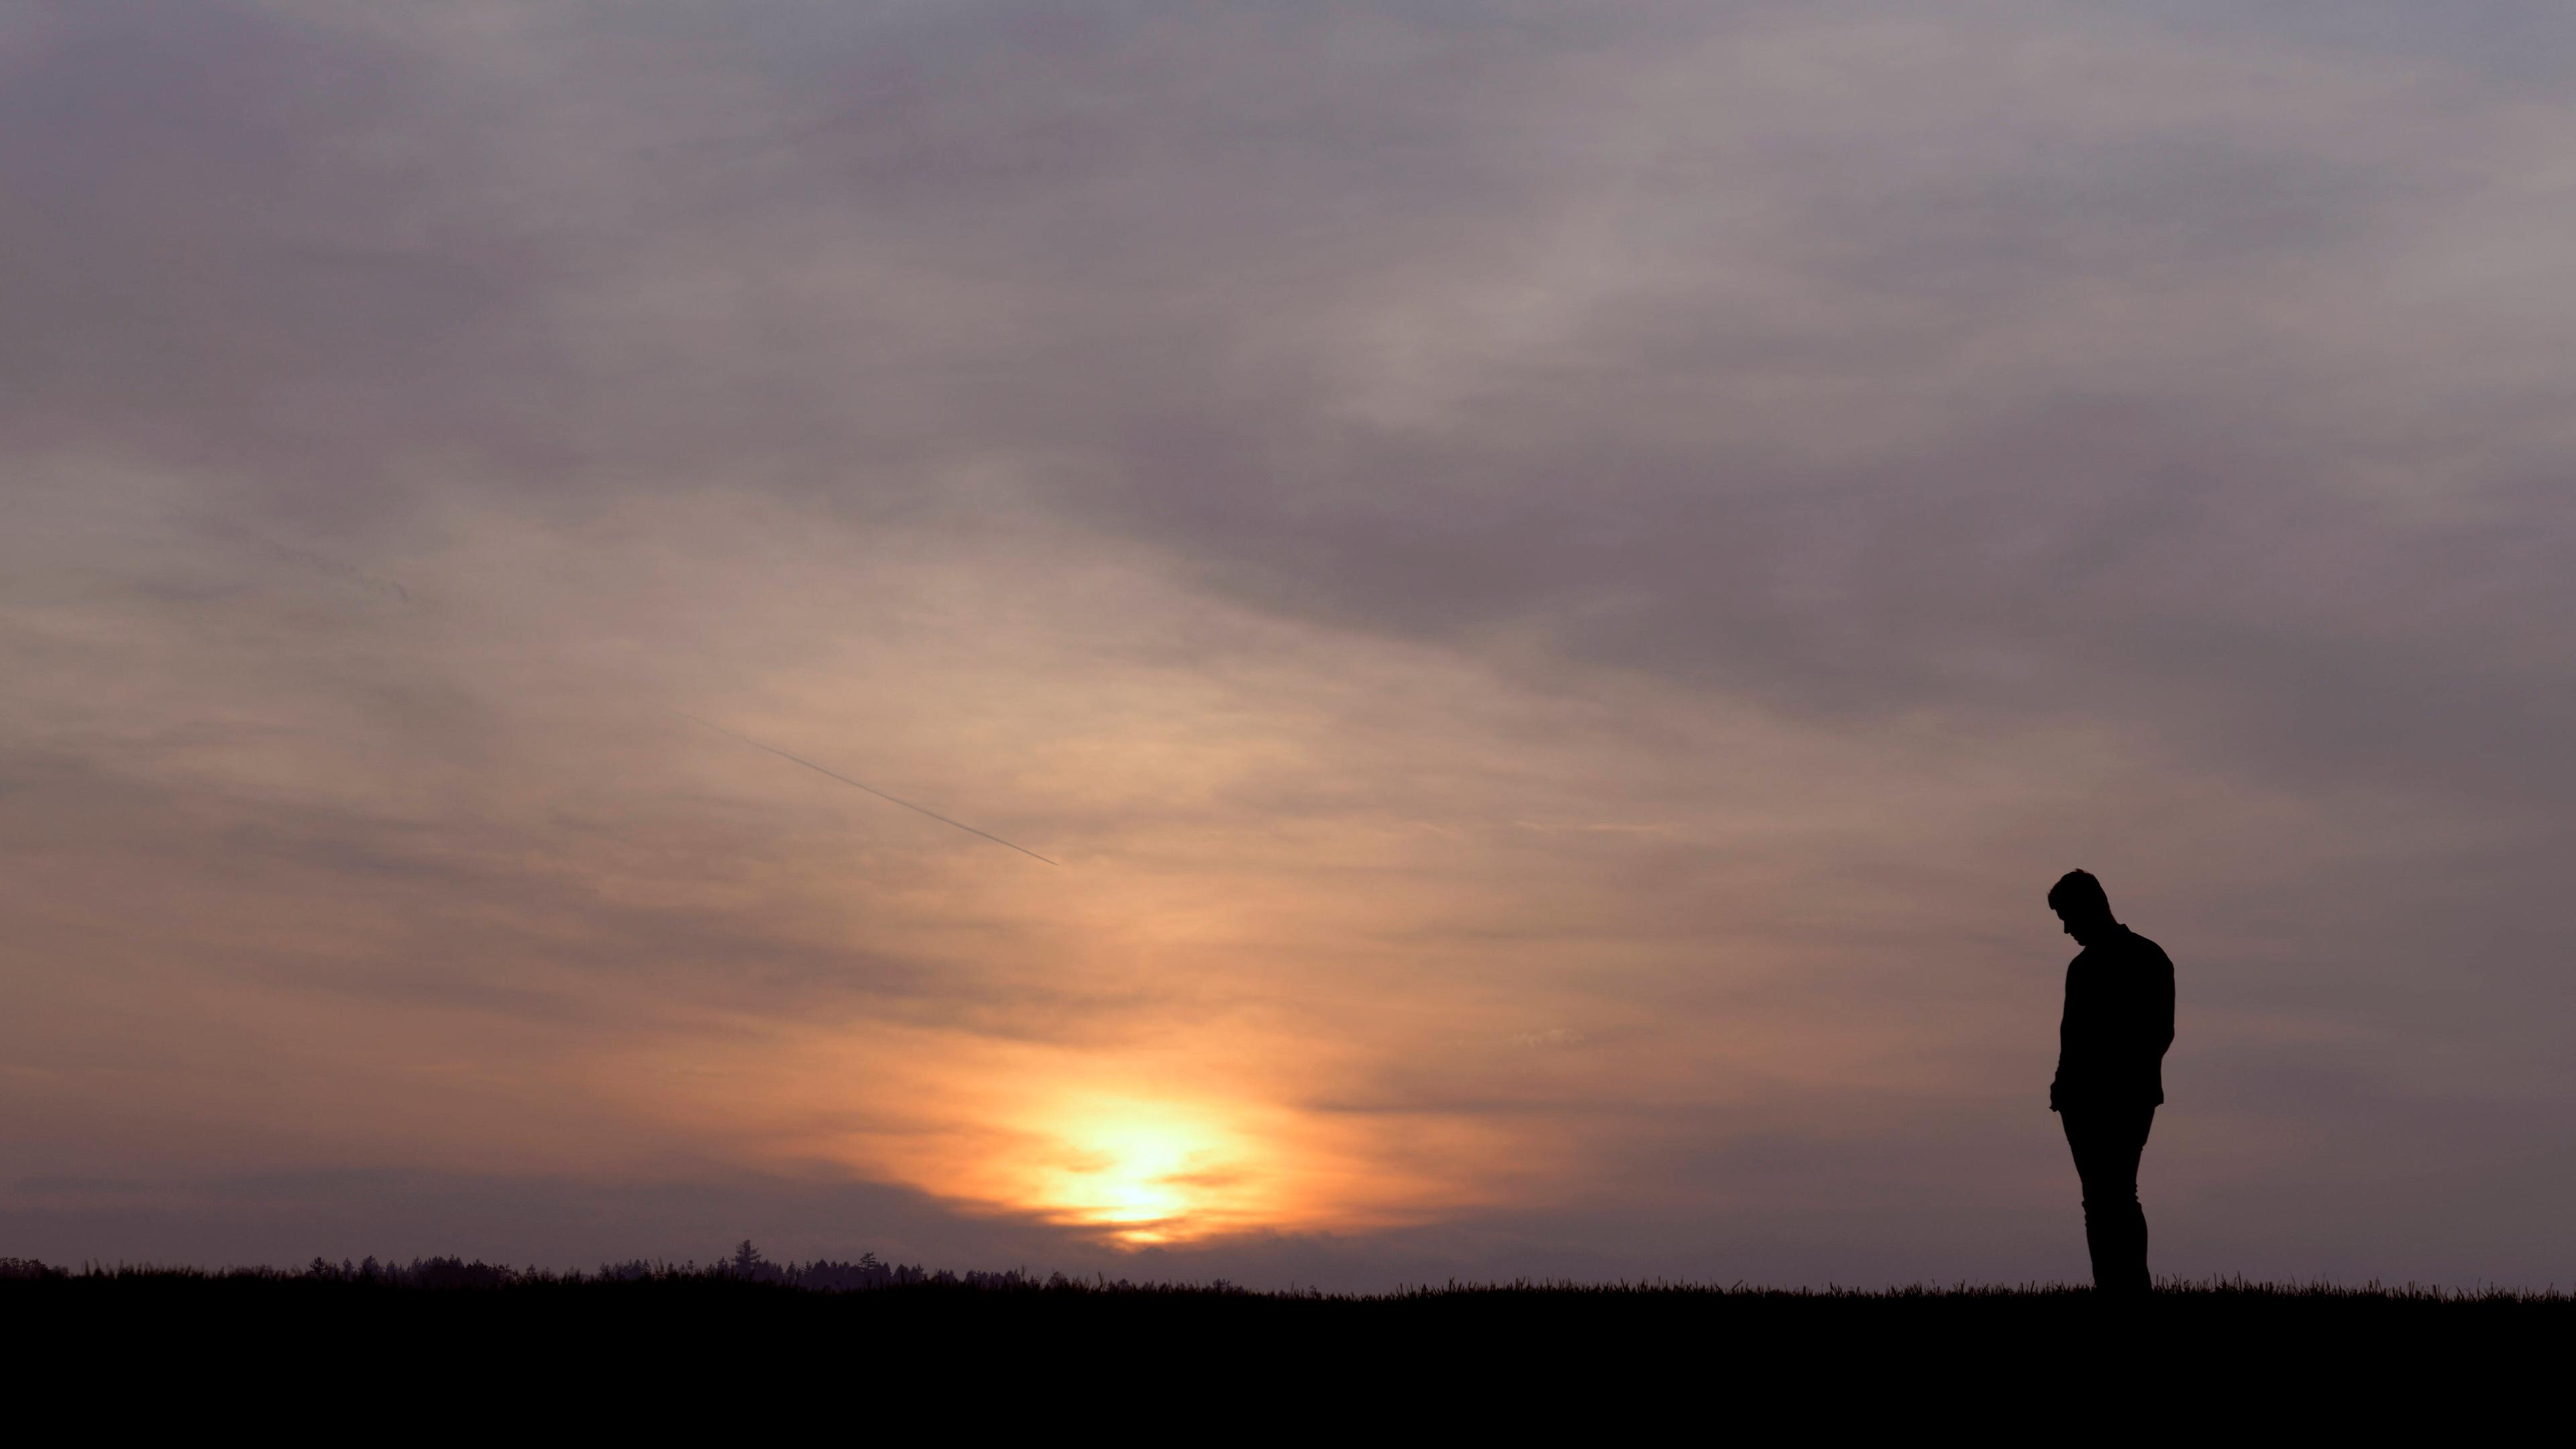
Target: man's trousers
<point>2108,1139</point>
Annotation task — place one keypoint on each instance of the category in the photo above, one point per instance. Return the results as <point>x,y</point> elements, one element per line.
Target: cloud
<point>1675,522</point>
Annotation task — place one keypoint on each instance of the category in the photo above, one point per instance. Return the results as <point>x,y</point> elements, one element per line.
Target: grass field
<point>935,1320</point>
<point>682,1352</point>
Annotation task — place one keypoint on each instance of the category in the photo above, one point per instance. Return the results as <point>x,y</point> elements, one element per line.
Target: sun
<point>1144,1173</point>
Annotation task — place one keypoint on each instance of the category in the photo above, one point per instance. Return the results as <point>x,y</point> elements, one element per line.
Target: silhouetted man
<point>2110,1072</point>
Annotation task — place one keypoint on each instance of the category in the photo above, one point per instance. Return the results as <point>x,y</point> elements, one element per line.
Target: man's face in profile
<point>2079,925</point>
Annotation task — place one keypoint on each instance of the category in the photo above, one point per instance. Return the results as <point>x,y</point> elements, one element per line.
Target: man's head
<point>2079,902</point>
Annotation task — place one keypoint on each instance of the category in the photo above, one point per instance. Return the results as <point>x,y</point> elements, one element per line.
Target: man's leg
<point>2107,1143</point>
<point>2083,1139</point>
<point>2134,1148</point>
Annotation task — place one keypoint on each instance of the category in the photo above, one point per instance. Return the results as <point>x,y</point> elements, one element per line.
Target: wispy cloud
<point>1676,522</point>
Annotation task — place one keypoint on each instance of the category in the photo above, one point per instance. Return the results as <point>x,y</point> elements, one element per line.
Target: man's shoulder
<point>2127,948</point>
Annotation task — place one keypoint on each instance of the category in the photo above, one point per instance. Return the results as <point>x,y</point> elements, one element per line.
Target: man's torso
<point>2118,1022</point>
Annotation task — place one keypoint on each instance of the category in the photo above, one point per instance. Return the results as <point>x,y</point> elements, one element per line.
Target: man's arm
<point>2164,1003</point>
<point>2057,1083</point>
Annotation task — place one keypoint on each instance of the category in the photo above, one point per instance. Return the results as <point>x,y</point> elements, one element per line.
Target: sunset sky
<point>1557,580</point>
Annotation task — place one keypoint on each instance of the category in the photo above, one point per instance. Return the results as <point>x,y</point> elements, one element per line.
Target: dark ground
<point>698,1349</point>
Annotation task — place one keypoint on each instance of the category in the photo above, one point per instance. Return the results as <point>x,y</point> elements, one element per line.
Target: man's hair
<point>2077,892</point>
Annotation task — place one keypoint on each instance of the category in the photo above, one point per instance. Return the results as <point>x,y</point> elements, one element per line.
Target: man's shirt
<point>2119,1020</point>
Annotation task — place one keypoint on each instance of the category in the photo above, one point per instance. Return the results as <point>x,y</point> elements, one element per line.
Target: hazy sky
<point>1560,579</point>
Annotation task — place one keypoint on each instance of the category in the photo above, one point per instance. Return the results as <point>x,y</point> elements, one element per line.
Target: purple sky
<point>1561,580</point>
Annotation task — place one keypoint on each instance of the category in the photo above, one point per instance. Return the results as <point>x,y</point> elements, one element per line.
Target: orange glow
<point>1137,1149</point>
<point>1147,1172</point>
<point>1140,1170</point>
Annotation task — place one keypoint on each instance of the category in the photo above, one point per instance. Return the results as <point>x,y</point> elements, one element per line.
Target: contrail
<point>871,789</point>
